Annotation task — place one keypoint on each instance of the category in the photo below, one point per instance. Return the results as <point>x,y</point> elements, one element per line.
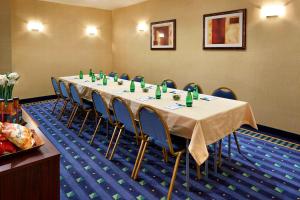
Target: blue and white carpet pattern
<point>268,168</point>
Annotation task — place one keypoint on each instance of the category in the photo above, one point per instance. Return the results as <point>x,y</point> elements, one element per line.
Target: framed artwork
<point>163,35</point>
<point>225,30</point>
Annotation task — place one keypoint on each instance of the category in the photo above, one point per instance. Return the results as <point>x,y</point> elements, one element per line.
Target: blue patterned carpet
<point>268,169</point>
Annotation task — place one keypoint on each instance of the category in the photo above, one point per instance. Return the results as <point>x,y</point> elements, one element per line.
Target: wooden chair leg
<point>96,130</point>
<point>55,104</point>
<point>174,175</point>
<point>84,121</point>
<point>138,157</point>
<point>72,116</point>
<point>140,160</point>
<point>62,110</point>
<point>237,142</point>
<point>116,144</point>
<point>220,154</point>
<point>111,141</point>
<point>165,155</point>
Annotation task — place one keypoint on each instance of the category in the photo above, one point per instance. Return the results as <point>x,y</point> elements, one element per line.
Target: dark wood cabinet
<point>31,175</point>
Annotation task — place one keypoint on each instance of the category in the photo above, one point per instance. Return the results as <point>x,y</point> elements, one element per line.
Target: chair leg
<point>237,142</point>
<point>138,157</point>
<point>83,123</point>
<point>62,110</point>
<point>111,141</point>
<point>229,147</point>
<point>140,160</point>
<point>55,104</point>
<point>174,175</point>
<point>72,116</point>
<point>220,153</point>
<point>165,154</point>
<point>96,130</point>
<point>116,144</point>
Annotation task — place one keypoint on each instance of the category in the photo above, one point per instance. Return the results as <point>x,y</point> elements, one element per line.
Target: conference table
<point>209,120</point>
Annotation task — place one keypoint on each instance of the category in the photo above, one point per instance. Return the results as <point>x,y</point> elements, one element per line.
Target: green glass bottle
<point>143,83</point>
<point>93,77</point>
<point>90,73</point>
<point>189,99</point>
<point>116,77</point>
<point>158,92</point>
<point>80,75</point>
<point>164,87</point>
<point>101,75</point>
<point>104,80</point>
<point>132,86</point>
<point>196,93</point>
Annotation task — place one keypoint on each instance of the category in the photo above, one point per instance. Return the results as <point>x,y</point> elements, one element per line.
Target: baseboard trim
<point>36,99</point>
<point>292,137</point>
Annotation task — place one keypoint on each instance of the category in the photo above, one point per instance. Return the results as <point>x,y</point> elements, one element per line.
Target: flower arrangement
<point>7,83</point>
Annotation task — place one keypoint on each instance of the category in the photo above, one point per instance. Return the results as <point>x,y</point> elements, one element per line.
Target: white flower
<point>11,82</point>
<point>13,76</point>
<point>3,80</point>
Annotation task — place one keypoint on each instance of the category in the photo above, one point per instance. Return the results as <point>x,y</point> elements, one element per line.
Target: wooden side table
<point>31,175</point>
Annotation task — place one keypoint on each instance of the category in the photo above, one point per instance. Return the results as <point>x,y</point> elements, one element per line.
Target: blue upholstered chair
<point>124,76</point>
<point>65,95</point>
<point>191,87</point>
<point>227,93</point>
<point>154,129</point>
<point>111,74</point>
<point>124,120</point>
<point>102,112</point>
<point>78,103</point>
<point>170,83</point>
<point>138,78</point>
<point>56,91</point>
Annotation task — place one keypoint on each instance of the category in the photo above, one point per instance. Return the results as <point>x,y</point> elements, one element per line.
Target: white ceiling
<point>103,4</point>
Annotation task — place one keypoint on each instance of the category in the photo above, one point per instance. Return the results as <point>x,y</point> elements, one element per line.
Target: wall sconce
<point>91,30</point>
<point>142,27</point>
<point>35,26</point>
<point>273,11</point>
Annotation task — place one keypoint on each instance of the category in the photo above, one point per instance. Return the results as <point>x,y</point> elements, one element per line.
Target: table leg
<point>229,147</point>
<point>206,168</point>
<point>187,165</point>
<point>215,159</point>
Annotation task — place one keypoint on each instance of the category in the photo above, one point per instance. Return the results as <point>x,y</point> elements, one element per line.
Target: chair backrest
<point>75,94</point>
<point>153,125</point>
<point>225,92</point>
<point>111,74</point>
<point>55,86</point>
<point>138,78</point>
<point>170,83</point>
<point>63,88</point>
<point>123,114</point>
<point>191,87</point>
<point>100,105</point>
<point>124,76</point>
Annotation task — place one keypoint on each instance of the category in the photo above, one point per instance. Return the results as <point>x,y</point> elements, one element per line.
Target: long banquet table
<point>209,120</point>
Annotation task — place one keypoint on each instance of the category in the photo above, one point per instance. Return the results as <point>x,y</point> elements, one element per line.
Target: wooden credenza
<point>31,175</point>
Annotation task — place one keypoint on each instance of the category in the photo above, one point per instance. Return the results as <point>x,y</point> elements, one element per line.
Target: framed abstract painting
<point>225,30</point>
<point>163,35</point>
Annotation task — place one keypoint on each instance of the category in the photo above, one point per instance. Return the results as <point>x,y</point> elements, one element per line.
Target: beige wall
<point>5,36</point>
<point>62,49</point>
<point>266,74</point>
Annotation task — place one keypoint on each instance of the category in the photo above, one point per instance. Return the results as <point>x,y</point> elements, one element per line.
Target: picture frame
<point>225,30</point>
<point>163,35</point>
